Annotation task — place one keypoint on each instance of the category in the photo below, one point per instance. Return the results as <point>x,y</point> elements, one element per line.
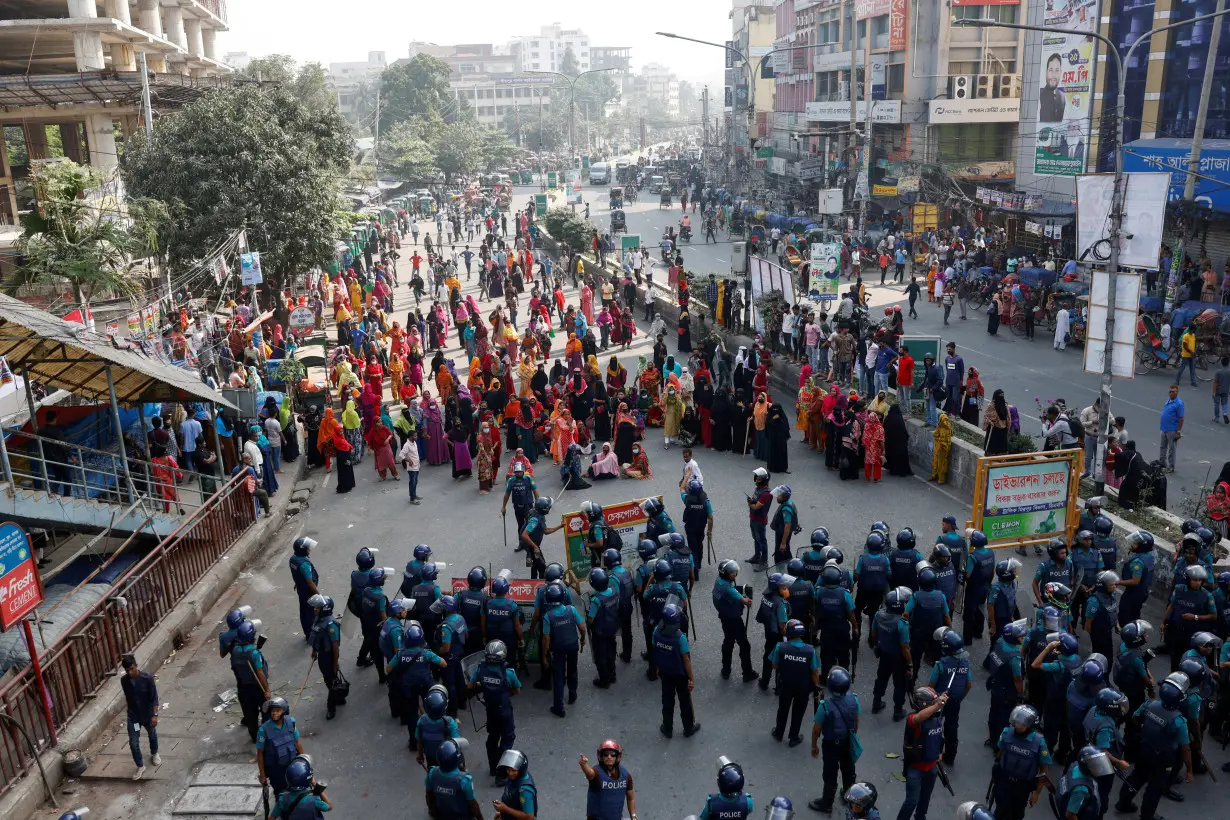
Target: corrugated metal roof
<point>66,356</point>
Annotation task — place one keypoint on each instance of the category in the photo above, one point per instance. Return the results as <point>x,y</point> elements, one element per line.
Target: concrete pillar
<point>174,20</point>
<point>209,42</point>
<point>87,45</point>
<point>70,138</point>
<point>192,28</point>
<point>151,21</point>
<point>119,10</point>
<point>100,133</point>
<point>36,140</point>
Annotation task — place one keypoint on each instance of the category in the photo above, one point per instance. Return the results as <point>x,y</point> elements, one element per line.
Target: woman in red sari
<point>760,384</point>
<point>380,438</point>
<point>375,377</point>
<point>166,474</point>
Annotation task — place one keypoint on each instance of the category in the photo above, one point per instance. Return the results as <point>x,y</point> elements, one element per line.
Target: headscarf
<point>658,326</point>
<point>804,374</point>
<point>622,416</point>
<point>328,429</point>
<point>350,417</point>
<point>879,405</point>
<point>284,413</point>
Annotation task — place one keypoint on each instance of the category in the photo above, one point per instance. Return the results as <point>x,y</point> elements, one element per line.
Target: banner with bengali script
<point>1065,101</point>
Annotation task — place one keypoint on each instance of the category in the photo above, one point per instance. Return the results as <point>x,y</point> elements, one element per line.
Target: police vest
<point>534,526</point>
<point>778,525</point>
<point>904,574</point>
<point>957,546</point>
<point>928,612</point>
<point>1108,549</point>
<point>729,607</point>
<point>493,679</point>
<point>1095,722</point>
<point>451,803</point>
<point>813,563</point>
<point>304,807</point>
<point>521,492</point>
<point>799,602</point>
<point>627,586</point>
<point>721,807</point>
<point>279,742</point>
<point>358,583</point>
<point>983,571</point>
<point>515,790</point>
<point>296,572</point>
<point>606,619</point>
<point>1139,592</point>
<point>372,607</point>
<point>695,514</point>
<point>414,667</point>
<point>243,663</point>
<point>470,605</point>
<point>1005,604</point>
<point>457,641</point>
<point>563,629</point>
<point>831,609</point>
<point>667,650</point>
<point>1091,809</point>
<point>390,637</point>
<point>432,733</point>
<point>1055,572</point>
<point>1085,563</point>
<point>1057,682</point>
<point>411,577</point>
<point>500,615</point>
<point>840,716</point>
<point>424,595</point>
<point>1187,600</point>
<point>1125,674</point>
<point>1221,602</point>
<point>794,665</point>
<point>946,581</point>
<point>681,566</point>
<point>999,662</point>
<point>956,666</point>
<point>1035,639</point>
<point>768,614</point>
<point>873,577</point>
<point>660,524</point>
<point>928,744</point>
<point>1019,756</point>
<point>1080,701</point>
<point>607,794</point>
<point>321,639</point>
<point>1107,615</point>
<point>888,639</point>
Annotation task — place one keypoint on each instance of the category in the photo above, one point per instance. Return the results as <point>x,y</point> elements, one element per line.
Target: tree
<point>75,236</point>
<point>457,149</point>
<point>417,90</point>
<point>247,157</point>
<point>307,83</point>
<point>405,154</point>
<point>568,63</point>
<point>495,149</point>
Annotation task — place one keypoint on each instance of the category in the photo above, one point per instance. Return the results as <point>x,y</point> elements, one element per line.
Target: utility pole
<point>376,145</point>
<point>540,120</point>
<point>1202,113</point>
<point>147,111</point>
<point>704,104</point>
<point>867,147</point>
<point>853,148</point>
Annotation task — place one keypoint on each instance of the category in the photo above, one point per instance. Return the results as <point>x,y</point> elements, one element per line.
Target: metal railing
<point>86,655</point>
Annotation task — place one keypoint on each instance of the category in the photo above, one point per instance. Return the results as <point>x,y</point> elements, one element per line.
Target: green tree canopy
<point>405,153</point>
<point>568,63</point>
<point>458,149</point>
<point>417,90</point>
<point>307,83</point>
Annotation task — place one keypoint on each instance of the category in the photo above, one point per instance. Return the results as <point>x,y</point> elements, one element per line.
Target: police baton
<point>504,519</point>
<point>299,694</point>
<point>709,548</point>
<point>692,620</point>
<point>265,799</point>
<point>943,775</point>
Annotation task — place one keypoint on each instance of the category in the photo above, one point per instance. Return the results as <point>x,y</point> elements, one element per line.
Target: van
<point>599,174</point>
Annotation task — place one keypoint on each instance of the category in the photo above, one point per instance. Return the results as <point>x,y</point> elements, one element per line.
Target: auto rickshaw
<point>617,197</point>
<point>664,198</point>
<point>619,222</point>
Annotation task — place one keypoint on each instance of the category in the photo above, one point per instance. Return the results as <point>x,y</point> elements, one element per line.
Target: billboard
<point>21,589</point>
<point>1144,211</point>
<point>825,271</point>
<point>623,517</point>
<point>1065,101</point>
<point>1123,346</point>
<point>1027,498</point>
<point>898,25</point>
<point>1171,155</point>
<point>864,9</point>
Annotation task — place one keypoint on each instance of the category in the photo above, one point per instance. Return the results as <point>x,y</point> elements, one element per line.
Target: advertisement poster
<point>822,283</point>
<point>134,324</point>
<point>1065,100</point>
<point>898,25</point>
<point>625,517</point>
<point>250,268</point>
<point>572,181</point>
<point>1029,501</point>
<point>21,589</point>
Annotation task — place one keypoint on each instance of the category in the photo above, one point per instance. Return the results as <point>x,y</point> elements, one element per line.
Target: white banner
<point>1123,348</point>
<point>945,112</point>
<point>887,112</point>
<point>1144,211</point>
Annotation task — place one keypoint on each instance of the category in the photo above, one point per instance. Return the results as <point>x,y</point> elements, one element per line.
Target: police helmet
<point>1223,579</point>
<point>861,796</point>
<point>397,606</point>
<point>1094,761</point>
<point>245,632</point>
<point>834,554</point>
<point>446,603</point>
<point>1190,526</point>
<point>1205,640</point>
<point>779,808</point>
<point>435,703</point>
<point>1136,633</point>
<point>926,578</point>
<point>662,570</point>
<point>598,579</point>
<point>303,545</point>
<point>1195,573</point>
<point>1113,702</point>
<point>235,617</point>
<point>413,635</point>
<point>838,680</point>
<point>952,642</point>
<point>1014,631</point>
<point>830,576</point>
<point>673,541</point>
<point>556,594</point>
<point>75,814</point>
<point>1054,546</point>
<point>795,567</point>
<point>448,755</point>
<point>554,572</point>
<point>941,551</point>
<point>974,811</point>
<point>1048,618</point>
<point>591,510</point>
<point>1006,569</point>
<point>495,652</point>
<point>760,475</point>
<point>875,543</point>
<point>1108,580</point>
<point>518,466</point>
<point>729,778</point>
<point>777,580</point>
<point>542,505</point>
<point>1173,689</point>
<point>1194,669</point>
<point>651,507</point>
<point>327,606</point>
<point>820,537</point>
<point>781,491</point>
<point>1095,502</point>
<point>422,552</point>
<point>977,539</point>
<point>1068,644</point>
<point>430,571</point>
<point>881,527</point>
<point>277,702</point>
<point>611,745</point>
<point>365,559</point>
<point>922,697</point>
<point>1103,526</point>
<point>896,599</point>
<point>906,539</point>
<point>477,578</point>
<point>499,585</point>
<point>611,558</point>
<point>299,773</point>
<point>1140,541</point>
<point>795,629</point>
<point>375,578</point>
<point>1091,673</point>
<point>671,614</point>
<point>1057,595</point>
<point>1023,717</point>
<point>646,549</point>
<point>695,487</point>
<point>1206,537</point>
<point>1084,535</point>
<point>1191,541</point>
<point>515,760</point>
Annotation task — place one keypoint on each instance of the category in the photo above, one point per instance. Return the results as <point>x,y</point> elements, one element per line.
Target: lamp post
<point>572,101</point>
<point>1116,203</point>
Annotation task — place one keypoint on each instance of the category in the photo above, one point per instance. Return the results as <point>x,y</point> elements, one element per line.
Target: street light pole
<point>572,102</point>
<point>1116,203</point>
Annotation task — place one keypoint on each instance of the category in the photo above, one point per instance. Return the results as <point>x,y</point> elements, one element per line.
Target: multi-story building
<point>616,58</point>
<point>661,90</point>
<point>545,51</point>
<point>238,60</point>
<point>754,30</point>
<point>68,75</point>
<point>351,82</point>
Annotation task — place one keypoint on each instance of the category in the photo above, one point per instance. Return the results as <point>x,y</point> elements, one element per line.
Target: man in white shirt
<point>1089,420</point>
<point>788,320</point>
<point>251,448</point>
<point>691,470</point>
<point>1056,433</point>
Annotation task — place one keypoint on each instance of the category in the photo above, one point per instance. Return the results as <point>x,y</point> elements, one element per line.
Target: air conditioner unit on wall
<point>1008,85</point>
<point>983,85</point>
<point>962,87</point>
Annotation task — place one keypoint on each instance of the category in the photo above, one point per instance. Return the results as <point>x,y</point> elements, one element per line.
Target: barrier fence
<point>87,655</point>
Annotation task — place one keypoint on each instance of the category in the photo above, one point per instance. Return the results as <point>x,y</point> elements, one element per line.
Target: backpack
<point>613,539</point>
<point>1078,429</point>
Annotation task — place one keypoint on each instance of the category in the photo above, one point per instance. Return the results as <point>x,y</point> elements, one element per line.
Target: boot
<point>821,805</point>
<point>878,705</point>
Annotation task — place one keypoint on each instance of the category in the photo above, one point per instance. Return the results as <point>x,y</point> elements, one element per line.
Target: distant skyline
<point>329,32</point>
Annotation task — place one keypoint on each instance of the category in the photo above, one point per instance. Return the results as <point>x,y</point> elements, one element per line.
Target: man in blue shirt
<point>1172,427</point>
<point>141,695</point>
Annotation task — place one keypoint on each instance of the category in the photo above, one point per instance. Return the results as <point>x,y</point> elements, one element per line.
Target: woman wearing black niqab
<point>777,428</point>
<point>720,414</point>
<point>740,412</point>
<point>896,443</point>
<point>1130,466</point>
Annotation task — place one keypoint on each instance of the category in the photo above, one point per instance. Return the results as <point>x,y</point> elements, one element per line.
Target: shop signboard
<point>21,588</point>
<point>825,271</point>
<point>1027,498</point>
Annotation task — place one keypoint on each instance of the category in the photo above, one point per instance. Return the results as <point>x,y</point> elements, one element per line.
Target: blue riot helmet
<point>1136,633</point>
<point>1140,541</point>
<point>977,539</point>
<point>1206,537</point>
<point>695,487</point>
<point>646,549</point>
<point>554,572</point>
<point>651,507</point>
<point>514,760</point>
<point>1108,580</point>
<point>365,559</point>
<point>672,541</point>
<point>422,552</point>
<point>941,551</point>
<point>1094,762</point>
<point>299,773</point>
<point>1195,575</point>
<point>1048,618</point>
<point>429,571</point>
<point>375,577</point>
<point>1085,536</point>
<point>974,811</point>
<point>448,755</point>
<point>556,594</point>
<point>303,545</point>
<point>327,607</point>
<point>435,703</point>
<point>499,585</point>
<point>1194,669</point>
<point>1173,689</point>
<point>1113,702</point>
<point>906,539</point>
<point>397,606</point>
<point>1091,673</point>
<point>834,554</point>
<point>477,578</point>
<point>1068,644</point>
<point>729,778</point>
<point>861,797</point>
<point>611,558</point>
<point>777,580</point>
<point>1103,526</point>
<point>782,492</point>
<point>237,616</point>
<point>245,632</point>
<point>951,643</point>
<point>662,570</point>
<point>413,636</point>
<point>838,681</point>
<point>926,578</point>
<point>896,599</point>
<point>591,510</point>
<point>495,652</point>
<point>795,629</point>
<point>922,697</point>
<point>728,569</point>
<point>1015,631</point>
<point>795,567</point>
<point>1223,580</point>
<point>1190,526</point>
<point>75,814</point>
<point>875,543</point>
<point>1006,569</point>
<point>445,603</point>
<point>830,577</point>
<point>671,614</point>
<point>881,527</point>
<point>598,579</point>
<point>542,505</point>
<point>1023,718</point>
<point>779,808</point>
<point>819,537</point>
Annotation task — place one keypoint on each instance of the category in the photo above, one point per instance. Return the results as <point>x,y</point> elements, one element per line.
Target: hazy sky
<point>328,31</point>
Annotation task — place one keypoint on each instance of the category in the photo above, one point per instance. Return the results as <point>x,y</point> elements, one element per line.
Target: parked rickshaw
<point>619,222</point>
<point>616,197</point>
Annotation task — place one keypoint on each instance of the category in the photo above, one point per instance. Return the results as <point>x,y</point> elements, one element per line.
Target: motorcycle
<point>685,233</point>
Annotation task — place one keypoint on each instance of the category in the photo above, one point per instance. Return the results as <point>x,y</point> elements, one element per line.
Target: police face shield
<point>506,574</point>
<point>919,566</point>
<point>1050,623</point>
<point>1014,566</point>
<point>245,611</point>
<point>1021,625</point>
<point>772,812</point>
<point>512,759</point>
<point>724,761</point>
<point>939,633</point>
<point>1097,764</point>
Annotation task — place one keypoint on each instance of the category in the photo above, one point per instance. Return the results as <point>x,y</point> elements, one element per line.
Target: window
<point>879,25</point>
<point>969,12</point>
<point>896,78</point>
<point>499,109</point>
<point>1002,14</point>
<point>535,66</point>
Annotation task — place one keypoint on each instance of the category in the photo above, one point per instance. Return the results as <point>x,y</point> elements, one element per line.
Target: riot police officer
<point>1137,577</point>
<point>374,607</point>
<point>523,492</point>
<point>562,639</point>
<point>951,676</point>
<point>532,534</point>
<point>325,636</point>
<point>681,557</point>
<point>365,560</point>
<point>413,573</point>
<point>452,643</point>
<point>425,594</point>
<point>1103,727</point>
<point>927,611</point>
<point>730,802</point>
<point>612,561</point>
<point>861,802</point>
<point>1083,690</point>
<point>1191,608</point>
<point>520,798</point>
<point>1059,661</point>
<point>979,573</point>
<point>1131,672</point>
<point>1001,597</point>
<point>252,673</point>
<point>434,726</point>
<point>657,520</point>
<point>449,789</point>
<point>958,552</point>
<point>890,640</point>
<point>471,602</point>
<point>802,595</point>
<point>730,603</point>
<point>1164,733</point>
<point>389,640</point>
<point>1078,795</point>
<point>945,575</point>
<point>785,524</point>
<point>923,748</point>
<point>501,620</point>
<point>598,532</point>
<point>672,663</point>
<point>1086,565</point>
<point>834,557</point>
<point>277,743</point>
<point>798,676</point>
<point>226,638</point>
<point>610,784</point>
<point>758,504</point>
<point>301,801</point>
<point>648,552</point>
<point>1007,683</point>
<point>306,578</point>
<point>1021,761</point>
<point>904,559</point>
<point>553,574</point>
<point>1221,600</point>
<point>602,618</point>
<point>772,616</point>
<point>498,682</point>
<point>1194,709</point>
<point>1089,515</point>
<point>697,516</point>
<point>813,557</point>
<point>1046,626</point>
<point>1105,545</point>
<point>871,574</point>
<point>1102,613</point>
<point>411,672</point>
<point>836,719</point>
<point>837,622</point>
<point>1055,569</point>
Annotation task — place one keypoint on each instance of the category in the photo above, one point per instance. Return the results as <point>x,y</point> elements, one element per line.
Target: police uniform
<point>927,611</point>
<point>1001,600</point>
<point>728,601</point>
<point>1131,674</point>
<point>1108,549</point>
<point>1081,698</point>
<point>608,792</point>
<point>1078,794</point>
<point>453,632</point>
<point>833,608</point>
<point>1035,679</point>
<point>697,510</point>
<point>323,636</point>
<point>562,625</point>
<point>958,549</point>
<point>300,804</point>
<point>470,604</point>
<point>429,733</point>
<point>496,681</point>
<point>521,794</point>
<point>277,744</point>
<point>452,793</point>
<point>1050,571</point>
<point>1221,601</point>
<point>302,572</point>
<point>246,659</point>
<point>871,575</point>
<point>659,524</point>
<point>720,807</point>
<point>1056,727</point>
<point>603,614</point>
<point>375,608</point>
<point>946,583</point>
<point>411,577</point>
<point>813,562</point>
<point>226,640</point>
<point>1184,601</point>
<point>535,527</point>
<point>521,492</point>
<point>627,591</point>
<point>798,670</point>
<point>500,614</point>
<point>641,581</point>
<point>1005,665</point>
<point>1102,614</point>
<point>537,624</point>
<point>837,717</point>
<point>389,640</point>
<point>669,647</point>
<point>923,748</point>
<point>979,573</point>
<point>1141,565</point>
<point>785,524</point>
<point>800,604</point>
<point>424,594</point>
<point>1103,732</point>
<point>1014,777</point>
<point>358,582</point>
<point>1086,564</point>
<point>1163,733</point>
<point>772,616</point>
<point>683,567</point>
<point>411,671</point>
<point>891,640</point>
<point>903,562</point>
<point>952,675</point>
